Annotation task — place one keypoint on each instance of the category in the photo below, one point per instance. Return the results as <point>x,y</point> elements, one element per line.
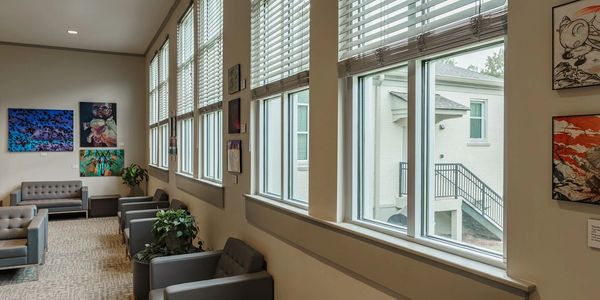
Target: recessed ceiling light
<point>72,32</point>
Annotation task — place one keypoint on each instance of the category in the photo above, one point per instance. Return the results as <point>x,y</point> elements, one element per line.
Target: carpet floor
<point>85,260</point>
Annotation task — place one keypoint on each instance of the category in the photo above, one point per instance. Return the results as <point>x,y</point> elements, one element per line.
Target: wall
<point>58,79</point>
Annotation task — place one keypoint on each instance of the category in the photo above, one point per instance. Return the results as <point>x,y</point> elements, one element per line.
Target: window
<point>159,107</point>
<point>185,92</point>
<point>477,124</point>
<point>422,87</point>
<point>279,76</point>
<point>210,88</point>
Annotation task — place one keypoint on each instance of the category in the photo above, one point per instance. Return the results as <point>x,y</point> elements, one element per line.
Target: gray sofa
<point>23,236</point>
<point>125,204</point>
<point>55,196</point>
<point>236,272</point>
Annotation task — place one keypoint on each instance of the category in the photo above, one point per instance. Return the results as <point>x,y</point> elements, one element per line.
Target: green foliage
<point>494,65</point>
<point>174,232</point>
<point>448,60</point>
<point>134,175</point>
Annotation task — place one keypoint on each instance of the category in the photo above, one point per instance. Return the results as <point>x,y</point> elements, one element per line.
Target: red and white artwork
<point>576,158</point>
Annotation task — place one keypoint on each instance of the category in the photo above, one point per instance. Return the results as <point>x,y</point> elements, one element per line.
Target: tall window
<point>210,88</point>
<point>159,107</point>
<point>279,79</point>
<point>418,80</point>
<point>185,92</point>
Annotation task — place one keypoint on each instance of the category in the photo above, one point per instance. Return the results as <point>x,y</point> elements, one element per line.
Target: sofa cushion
<point>238,258</point>
<point>13,248</point>
<point>14,221</point>
<point>50,203</point>
<point>50,190</point>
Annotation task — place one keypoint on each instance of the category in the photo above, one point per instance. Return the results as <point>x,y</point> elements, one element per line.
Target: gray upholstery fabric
<point>140,234</point>
<point>157,294</point>
<point>255,286</point>
<point>13,248</point>
<point>177,204</point>
<point>52,203</point>
<point>238,258</point>
<point>160,195</point>
<point>50,190</point>
<point>175,269</point>
<point>14,221</point>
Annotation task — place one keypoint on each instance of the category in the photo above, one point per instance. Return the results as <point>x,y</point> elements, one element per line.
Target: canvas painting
<point>40,130</point>
<point>98,163</point>
<point>98,124</point>
<point>234,122</point>
<point>234,156</point>
<point>576,44</point>
<point>576,158</point>
<point>233,79</point>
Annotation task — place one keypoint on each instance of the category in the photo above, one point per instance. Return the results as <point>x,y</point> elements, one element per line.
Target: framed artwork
<point>97,124</point>
<point>234,156</point>
<point>576,44</point>
<point>40,130</point>
<point>233,79</point>
<point>234,122</point>
<point>101,163</point>
<point>576,158</point>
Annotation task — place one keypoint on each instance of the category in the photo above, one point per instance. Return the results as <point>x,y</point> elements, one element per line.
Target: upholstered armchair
<point>23,236</point>
<point>236,272</point>
<point>125,204</point>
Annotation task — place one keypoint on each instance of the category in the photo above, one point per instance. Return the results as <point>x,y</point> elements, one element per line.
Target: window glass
<point>299,146</point>
<point>476,129</point>
<point>186,146</point>
<point>212,147</point>
<point>164,146</point>
<point>154,146</point>
<point>272,144</point>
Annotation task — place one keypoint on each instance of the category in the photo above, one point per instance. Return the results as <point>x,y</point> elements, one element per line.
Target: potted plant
<point>174,232</point>
<point>133,176</point>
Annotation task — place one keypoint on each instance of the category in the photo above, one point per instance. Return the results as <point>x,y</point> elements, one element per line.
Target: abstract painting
<point>233,79</point>
<point>98,124</point>
<point>234,156</point>
<point>576,44</point>
<point>40,130</point>
<point>95,163</point>
<point>576,158</point>
<point>234,121</point>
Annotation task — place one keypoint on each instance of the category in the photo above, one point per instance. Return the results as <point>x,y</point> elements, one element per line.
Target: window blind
<point>374,33</point>
<point>163,82</point>
<point>210,56</point>
<point>279,45</point>
<point>152,91</point>
<point>185,64</point>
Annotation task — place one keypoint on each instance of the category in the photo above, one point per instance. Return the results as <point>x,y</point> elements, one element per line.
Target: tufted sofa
<point>23,236</point>
<point>56,196</point>
<point>236,272</point>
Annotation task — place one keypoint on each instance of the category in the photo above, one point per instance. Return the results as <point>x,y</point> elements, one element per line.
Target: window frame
<point>159,156</point>
<point>418,153</point>
<point>483,119</point>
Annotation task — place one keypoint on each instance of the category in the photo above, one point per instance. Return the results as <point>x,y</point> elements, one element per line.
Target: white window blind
<point>163,82</point>
<point>378,32</point>
<point>279,45</point>
<point>152,91</point>
<point>210,48</point>
<point>185,64</point>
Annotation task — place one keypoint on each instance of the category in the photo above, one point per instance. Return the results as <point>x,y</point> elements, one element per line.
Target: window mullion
<point>285,134</point>
<point>415,152</point>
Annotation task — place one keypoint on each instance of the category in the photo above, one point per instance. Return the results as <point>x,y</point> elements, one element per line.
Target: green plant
<point>174,232</point>
<point>134,175</point>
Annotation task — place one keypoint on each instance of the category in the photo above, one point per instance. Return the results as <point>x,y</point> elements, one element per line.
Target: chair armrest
<point>44,212</point>
<point>15,197</point>
<point>84,197</point>
<point>138,214</point>
<point>124,200</point>
<point>170,270</point>
<point>140,234</point>
<point>247,286</point>
<point>35,238</point>
<point>143,205</point>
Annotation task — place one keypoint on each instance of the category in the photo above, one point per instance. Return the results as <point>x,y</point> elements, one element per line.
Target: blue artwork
<point>40,130</point>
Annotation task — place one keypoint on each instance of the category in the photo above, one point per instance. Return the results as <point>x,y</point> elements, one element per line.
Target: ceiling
<point>125,26</point>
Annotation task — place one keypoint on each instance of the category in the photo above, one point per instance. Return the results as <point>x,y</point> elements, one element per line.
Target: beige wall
<point>58,79</point>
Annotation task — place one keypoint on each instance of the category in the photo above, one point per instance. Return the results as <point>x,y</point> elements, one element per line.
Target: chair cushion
<point>49,203</point>
<point>51,190</point>
<point>238,258</point>
<point>13,248</point>
<point>158,294</point>
<point>160,195</point>
<point>14,221</point>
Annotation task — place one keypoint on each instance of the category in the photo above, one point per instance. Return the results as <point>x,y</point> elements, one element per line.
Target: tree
<point>473,68</point>
<point>494,65</point>
<point>448,61</point>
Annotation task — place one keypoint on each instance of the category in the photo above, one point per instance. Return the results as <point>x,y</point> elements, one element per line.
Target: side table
<point>103,205</point>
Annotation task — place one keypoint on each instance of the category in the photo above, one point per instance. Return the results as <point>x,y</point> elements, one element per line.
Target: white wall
<point>58,79</point>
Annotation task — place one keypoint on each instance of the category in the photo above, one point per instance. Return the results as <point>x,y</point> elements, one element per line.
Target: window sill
<point>159,173</point>
<point>457,264</point>
<point>482,143</point>
<point>209,192</point>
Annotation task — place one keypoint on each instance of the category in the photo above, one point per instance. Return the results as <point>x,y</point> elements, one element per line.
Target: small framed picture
<point>233,82</point>
<point>234,156</point>
<point>234,121</point>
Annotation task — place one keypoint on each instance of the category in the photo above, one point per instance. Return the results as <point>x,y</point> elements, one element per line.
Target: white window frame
<point>483,118</point>
<point>185,114</point>
<point>159,118</point>
<point>417,159</point>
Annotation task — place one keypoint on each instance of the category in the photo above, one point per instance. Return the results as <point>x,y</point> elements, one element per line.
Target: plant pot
<point>141,279</point>
<point>135,191</point>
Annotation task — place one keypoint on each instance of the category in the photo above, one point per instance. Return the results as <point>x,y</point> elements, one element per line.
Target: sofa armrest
<point>36,239</point>
<point>84,198</point>
<point>44,212</point>
<point>124,200</point>
<point>15,197</point>
<point>247,286</point>
<point>140,234</point>
<point>176,269</point>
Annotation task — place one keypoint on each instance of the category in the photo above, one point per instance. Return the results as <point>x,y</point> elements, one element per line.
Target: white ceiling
<point>107,25</point>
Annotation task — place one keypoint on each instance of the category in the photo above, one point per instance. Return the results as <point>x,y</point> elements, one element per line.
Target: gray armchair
<point>125,204</point>
<point>23,236</point>
<point>236,272</point>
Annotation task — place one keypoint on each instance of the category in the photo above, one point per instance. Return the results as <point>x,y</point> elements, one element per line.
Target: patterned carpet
<point>85,260</point>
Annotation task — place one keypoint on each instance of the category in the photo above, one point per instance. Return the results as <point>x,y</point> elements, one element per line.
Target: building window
<point>477,121</point>
<point>185,92</point>
<point>159,107</point>
<point>212,136</point>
